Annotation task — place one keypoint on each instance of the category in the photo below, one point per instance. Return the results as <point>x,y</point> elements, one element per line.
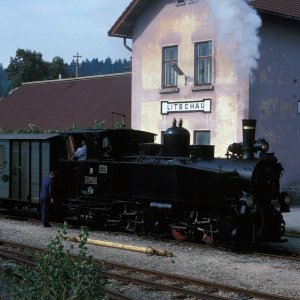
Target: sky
<point>61,28</point>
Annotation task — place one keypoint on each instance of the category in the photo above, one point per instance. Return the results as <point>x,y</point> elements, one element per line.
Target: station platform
<point>292,219</point>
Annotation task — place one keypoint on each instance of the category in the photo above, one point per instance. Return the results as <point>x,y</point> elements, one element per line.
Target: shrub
<point>60,275</point>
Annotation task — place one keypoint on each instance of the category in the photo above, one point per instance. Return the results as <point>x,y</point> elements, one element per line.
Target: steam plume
<point>237,31</point>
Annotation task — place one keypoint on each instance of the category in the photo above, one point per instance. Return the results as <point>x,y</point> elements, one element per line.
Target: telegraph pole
<point>77,56</point>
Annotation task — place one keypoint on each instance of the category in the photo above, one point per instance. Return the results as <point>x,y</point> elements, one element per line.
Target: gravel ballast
<point>249,271</point>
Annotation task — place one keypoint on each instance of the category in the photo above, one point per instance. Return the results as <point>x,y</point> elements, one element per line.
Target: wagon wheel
<point>180,235</point>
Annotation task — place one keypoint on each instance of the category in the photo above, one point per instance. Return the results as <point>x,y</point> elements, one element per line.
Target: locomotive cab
<point>117,143</point>
<point>85,184</point>
<point>104,144</point>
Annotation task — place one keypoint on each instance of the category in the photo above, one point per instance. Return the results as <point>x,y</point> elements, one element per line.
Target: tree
<point>58,67</point>
<point>27,66</point>
<point>4,83</point>
<point>107,66</point>
<point>97,67</point>
<point>60,275</point>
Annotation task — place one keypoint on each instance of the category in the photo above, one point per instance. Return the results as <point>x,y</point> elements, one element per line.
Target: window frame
<point>206,58</point>
<point>180,2</point>
<point>165,62</point>
<point>202,131</point>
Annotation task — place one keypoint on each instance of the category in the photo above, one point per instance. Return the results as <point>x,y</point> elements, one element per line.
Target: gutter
<point>125,44</point>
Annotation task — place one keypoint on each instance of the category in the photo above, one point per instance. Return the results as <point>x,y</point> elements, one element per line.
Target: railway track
<point>264,251</point>
<point>269,251</point>
<point>161,284</point>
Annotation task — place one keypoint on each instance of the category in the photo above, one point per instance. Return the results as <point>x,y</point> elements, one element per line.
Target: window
<point>2,156</point>
<point>180,2</point>
<point>169,76</point>
<point>106,146</point>
<point>203,63</point>
<point>299,107</point>
<point>162,135</point>
<point>105,142</point>
<point>202,137</point>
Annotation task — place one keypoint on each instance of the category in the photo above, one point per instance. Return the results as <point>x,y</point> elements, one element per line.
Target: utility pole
<point>77,56</point>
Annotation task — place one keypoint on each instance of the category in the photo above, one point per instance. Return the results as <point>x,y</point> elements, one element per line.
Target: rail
<point>181,285</point>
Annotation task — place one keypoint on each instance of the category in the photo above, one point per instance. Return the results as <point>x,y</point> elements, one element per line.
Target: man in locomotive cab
<point>80,153</point>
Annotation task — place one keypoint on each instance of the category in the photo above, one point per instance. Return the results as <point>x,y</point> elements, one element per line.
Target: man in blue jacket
<point>46,197</point>
<point>80,153</point>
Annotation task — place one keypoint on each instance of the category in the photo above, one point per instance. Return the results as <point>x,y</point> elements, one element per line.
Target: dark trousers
<point>44,205</point>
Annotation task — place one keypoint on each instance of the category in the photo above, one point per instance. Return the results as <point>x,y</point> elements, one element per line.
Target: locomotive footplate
<point>87,202</point>
<point>85,210</point>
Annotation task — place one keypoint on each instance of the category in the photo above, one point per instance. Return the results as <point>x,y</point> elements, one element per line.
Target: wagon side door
<point>4,169</point>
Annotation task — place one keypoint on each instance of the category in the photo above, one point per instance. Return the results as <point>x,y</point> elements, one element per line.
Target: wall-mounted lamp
<point>180,72</point>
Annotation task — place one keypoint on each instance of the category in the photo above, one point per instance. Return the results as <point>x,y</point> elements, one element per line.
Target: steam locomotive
<point>129,182</point>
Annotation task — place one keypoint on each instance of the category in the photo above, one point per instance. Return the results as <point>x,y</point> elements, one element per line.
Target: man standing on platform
<point>46,197</point>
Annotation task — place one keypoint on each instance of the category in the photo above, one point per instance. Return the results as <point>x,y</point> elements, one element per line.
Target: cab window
<point>2,156</point>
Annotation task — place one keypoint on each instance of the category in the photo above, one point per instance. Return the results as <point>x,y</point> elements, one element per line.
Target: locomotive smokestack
<point>248,138</point>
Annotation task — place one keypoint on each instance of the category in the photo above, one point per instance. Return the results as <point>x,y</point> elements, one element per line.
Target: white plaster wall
<point>165,24</point>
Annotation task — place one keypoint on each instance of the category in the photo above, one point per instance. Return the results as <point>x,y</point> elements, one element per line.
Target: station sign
<point>186,106</point>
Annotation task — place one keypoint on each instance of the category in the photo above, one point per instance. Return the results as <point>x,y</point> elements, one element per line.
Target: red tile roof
<point>285,8</point>
<point>123,27</point>
<point>62,103</point>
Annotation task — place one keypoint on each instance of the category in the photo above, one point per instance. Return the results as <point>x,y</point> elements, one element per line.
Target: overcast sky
<point>61,28</point>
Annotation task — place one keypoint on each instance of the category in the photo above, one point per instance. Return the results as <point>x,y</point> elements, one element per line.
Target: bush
<point>59,275</point>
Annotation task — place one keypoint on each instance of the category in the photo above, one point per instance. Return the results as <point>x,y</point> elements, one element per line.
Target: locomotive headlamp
<point>284,201</point>
<point>265,147</point>
<point>261,145</point>
<point>288,199</point>
<point>250,201</point>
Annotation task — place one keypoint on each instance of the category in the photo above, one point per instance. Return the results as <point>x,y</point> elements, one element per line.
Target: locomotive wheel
<point>180,235</point>
<point>207,239</point>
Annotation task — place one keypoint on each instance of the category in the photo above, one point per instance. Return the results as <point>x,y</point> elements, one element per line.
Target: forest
<point>29,66</point>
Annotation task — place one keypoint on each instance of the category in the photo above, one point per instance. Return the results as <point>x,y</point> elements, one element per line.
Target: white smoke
<point>237,31</point>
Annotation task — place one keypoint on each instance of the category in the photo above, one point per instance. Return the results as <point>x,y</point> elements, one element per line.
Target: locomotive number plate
<point>90,180</point>
<point>102,169</point>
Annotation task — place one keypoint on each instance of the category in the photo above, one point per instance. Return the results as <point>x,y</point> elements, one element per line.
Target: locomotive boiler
<point>132,183</point>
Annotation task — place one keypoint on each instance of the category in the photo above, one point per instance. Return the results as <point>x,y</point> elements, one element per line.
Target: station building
<point>213,63</point>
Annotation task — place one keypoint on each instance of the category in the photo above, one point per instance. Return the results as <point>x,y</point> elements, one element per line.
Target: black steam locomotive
<point>130,182</point>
